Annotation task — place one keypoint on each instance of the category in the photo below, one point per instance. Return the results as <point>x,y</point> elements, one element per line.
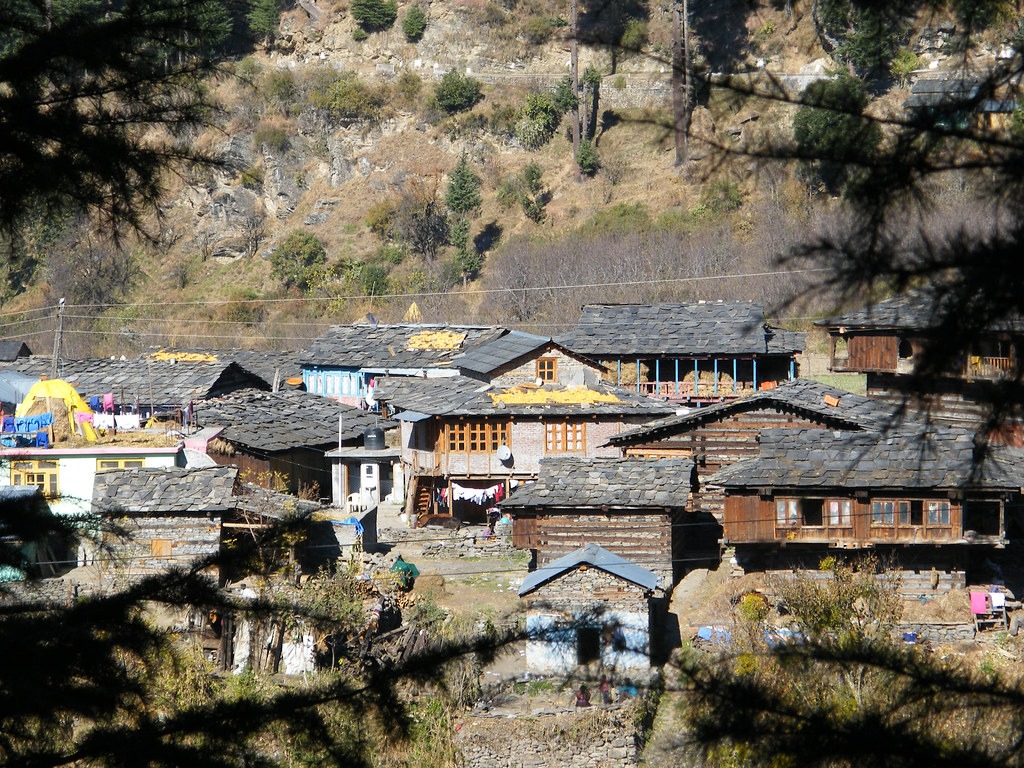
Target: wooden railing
<point>983,367</point>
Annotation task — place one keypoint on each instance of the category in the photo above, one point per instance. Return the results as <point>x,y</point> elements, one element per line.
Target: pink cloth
<point>978,604</point>
<point>108,402</point>
<point>81,417</point>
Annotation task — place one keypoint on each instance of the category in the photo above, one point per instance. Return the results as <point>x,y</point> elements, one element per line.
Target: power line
<point>471,292</point>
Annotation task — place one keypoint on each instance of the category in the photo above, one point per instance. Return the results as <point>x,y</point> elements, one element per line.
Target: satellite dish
<point>504,453</point>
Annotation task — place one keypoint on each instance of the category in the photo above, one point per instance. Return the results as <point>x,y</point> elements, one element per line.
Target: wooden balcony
<point>983,367</point>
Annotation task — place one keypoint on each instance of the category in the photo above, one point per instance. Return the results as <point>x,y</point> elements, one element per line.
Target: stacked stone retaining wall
<point>590,738</point>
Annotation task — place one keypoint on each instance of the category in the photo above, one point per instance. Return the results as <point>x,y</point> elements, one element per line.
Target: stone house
<point>465,444</point>
<point>694,353</point>
<point>162,518</point>
<point>592,607</point>
<point>523,358</point>
<point>633,507</point>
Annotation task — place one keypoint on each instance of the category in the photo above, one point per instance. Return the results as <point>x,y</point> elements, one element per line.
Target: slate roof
<point>271,504</point>
<point>915,310</point>
<point>12,350</point>
<point>801,397</point>
<point>704,328</point>
<point>461,396</point>
<point>170,383</point>
<point>943,92</point>
<point>281,421</point>
<point>172,490</point>
<point>815,458</point>
<point>387,347</point>
<point>505,350</point>
<point>634,483</point>
<point>597,557</point>
<point>264,364</point>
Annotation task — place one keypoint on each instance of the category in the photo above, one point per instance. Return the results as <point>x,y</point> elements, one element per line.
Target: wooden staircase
<point>421,498</point>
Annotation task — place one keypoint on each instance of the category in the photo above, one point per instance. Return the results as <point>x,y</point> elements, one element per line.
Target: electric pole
<point>58,338</point>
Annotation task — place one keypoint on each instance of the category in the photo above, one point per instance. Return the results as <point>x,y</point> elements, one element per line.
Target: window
<point>477,436</point>
<point>547,369</point>
<point>102,464</point>
<point>840,512</point>
<point>811,510</point>
<point>883,512</point>
<point>160,547</point>
<point>565,437</point>
<point>938,512</point>
<point>42,474</point>
<point>786,511</point>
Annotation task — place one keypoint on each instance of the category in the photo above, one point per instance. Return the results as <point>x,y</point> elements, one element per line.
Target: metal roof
<point>591,555</point>
<point>702,328</point>
<point>632,483</point>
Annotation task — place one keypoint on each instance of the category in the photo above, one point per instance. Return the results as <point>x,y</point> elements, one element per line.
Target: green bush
<point>537,30</point>
<point>359,34</point>
<point>587,158</point>
<point>721,196</point>
<point>634,36</point>
<point>374,15</point>
<point>831,133</point>
<point>348,98</point>
<point>538,119</point>
<point>457,92</point>
<point>414,24</point>
<point>251,177</point>
<point>373,279</point>
<point>565,97</point>
<point>294,260</point>
<point>463,194</point>
<point>903,65</point>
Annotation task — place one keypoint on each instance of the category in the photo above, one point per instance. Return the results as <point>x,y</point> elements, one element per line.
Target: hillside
<point>335,134</point>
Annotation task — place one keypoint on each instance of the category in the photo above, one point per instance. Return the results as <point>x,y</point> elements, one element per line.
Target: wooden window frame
<point>547,369</point>
<point>787,512</point>
<point>937,512</point>
<point>567,436</point>
<point>477,436</point>
<point>42,473</point>
<point>883,512</point>
<point>126,463</point>
<point>842,515</point>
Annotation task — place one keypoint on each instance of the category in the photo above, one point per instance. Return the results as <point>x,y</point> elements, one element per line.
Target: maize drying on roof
<point>567,396</point>
<point>436,340</point>
<point>183,357</point>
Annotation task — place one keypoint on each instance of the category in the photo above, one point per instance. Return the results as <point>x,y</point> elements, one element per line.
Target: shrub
<point>903,65</point>
<point>537,30</point>
<point>374,15</point>
<point>294,260</point>
<point>408,85</point>
<point>457,92</point>
<point>463,193</point>
<point>373,279</point>
<point>634,36</point>
<point>274,137</point>
<point>278,90</point>
<point>722,196</point>
<point>251,177</point>
<point>359,34</point>
<point>349,99</point>
<point>587,158</point>
<point>565,97</point>
<point>414,24</point>
<point>538,119</point>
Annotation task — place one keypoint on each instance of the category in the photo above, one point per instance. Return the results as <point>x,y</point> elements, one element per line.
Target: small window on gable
<point>547,369</point>
<point>161,547</point>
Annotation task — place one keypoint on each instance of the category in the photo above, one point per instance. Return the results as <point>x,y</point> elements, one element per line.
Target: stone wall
<point>940,632</point>
<point>468,541</point>
<point>589,738</point>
